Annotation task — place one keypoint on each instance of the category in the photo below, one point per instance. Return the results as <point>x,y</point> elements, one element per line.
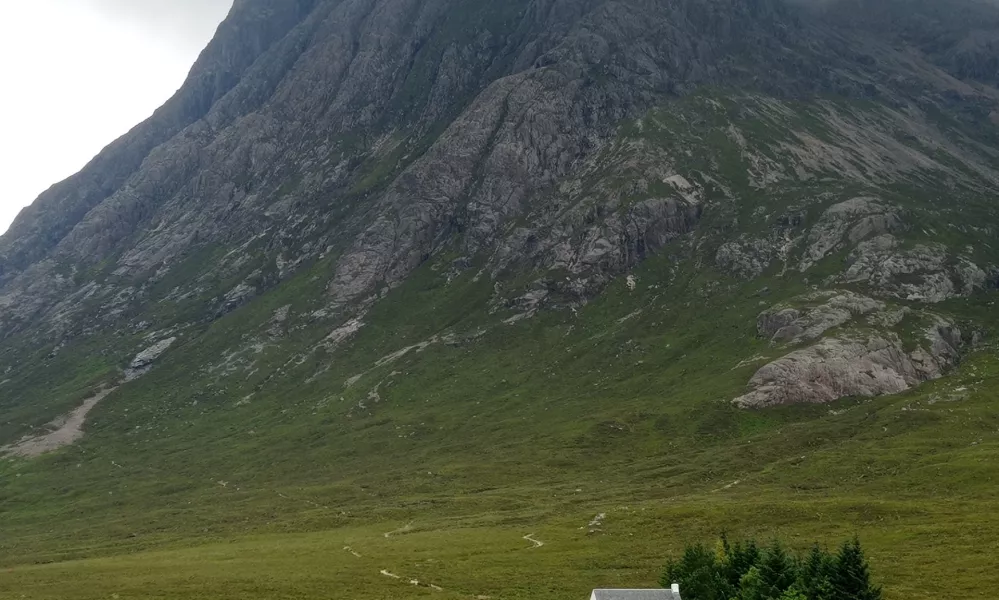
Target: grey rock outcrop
<point>552,141</point>
<point>602,251</point>
<point>380,131</point>
<point>832,369</point>
<point>849,222</point>
<point>144,360</point>
<point>518,139</point>
<point>597,234</point>
<point>778,322</point>
<point>924,272</point>
<point>236,297</point>
<point>63,214</point>
<point>287,114</point>
<point>853,365</point>
<point>747,258</point>
<point>842,367</point>
<point>827,310</point>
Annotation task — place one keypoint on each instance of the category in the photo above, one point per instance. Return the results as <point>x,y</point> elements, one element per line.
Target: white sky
<point>77,74</point>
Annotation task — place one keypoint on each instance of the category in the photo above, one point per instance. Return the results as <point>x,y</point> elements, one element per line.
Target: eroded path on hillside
<point>404,529</point>
<point>386,573</point>
<point>63,431</point>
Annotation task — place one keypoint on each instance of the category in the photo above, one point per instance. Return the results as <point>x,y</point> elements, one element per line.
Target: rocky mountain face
<point>332,166</point>
<point>385,133</point>
<point>369,121</point>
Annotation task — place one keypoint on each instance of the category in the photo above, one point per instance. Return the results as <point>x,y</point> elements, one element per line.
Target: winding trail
<point>404,529</point>
<point>537,543</point>
<point>727,486</point>
<point>386,573</point>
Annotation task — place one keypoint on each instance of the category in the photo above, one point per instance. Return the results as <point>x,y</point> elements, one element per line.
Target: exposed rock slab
<point>832,369</point>
<point>746,258</point>
<point>850,222</point>
<point>144,360</point>
<point>846,366</point>
<point>791,325</point>
<point>924,272</point>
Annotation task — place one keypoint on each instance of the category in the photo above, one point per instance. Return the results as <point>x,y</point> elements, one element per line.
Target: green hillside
<point>452,435</point>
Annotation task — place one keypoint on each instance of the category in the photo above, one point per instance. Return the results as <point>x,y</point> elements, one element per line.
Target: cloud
<point>185,24</point>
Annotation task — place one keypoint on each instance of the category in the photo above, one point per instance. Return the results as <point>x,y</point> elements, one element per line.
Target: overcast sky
<point>76,74</point>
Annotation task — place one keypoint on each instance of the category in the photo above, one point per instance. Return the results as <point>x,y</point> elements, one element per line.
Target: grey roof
<point>634,595</point>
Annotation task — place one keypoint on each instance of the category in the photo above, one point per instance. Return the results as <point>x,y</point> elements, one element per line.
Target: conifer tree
<point>740,558</point>
<point>777,571</point>
<point>752,587</point>
<point>699,574</point>
<point>814,575</point>
<point>851,578</point>
<point>744,571</point>
<point>793,593</point>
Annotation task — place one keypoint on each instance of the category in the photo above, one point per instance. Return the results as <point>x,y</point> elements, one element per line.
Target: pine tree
<point>740,558</point>
<point>742,571</point>
<point>814,575</point>
<point>699,574</point>
<point>777,571</point>
<point>793,593</point>
<point>851,578</point>
<point>723,549</point>
<point>751,587</point>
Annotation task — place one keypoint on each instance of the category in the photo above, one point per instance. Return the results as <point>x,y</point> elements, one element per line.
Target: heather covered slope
<point>493,270</point>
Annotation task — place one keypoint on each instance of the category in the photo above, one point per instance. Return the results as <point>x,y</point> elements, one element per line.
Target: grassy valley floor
<point>913,476</point>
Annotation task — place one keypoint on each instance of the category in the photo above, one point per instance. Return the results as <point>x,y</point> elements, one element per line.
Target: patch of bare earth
<point>63,431</point>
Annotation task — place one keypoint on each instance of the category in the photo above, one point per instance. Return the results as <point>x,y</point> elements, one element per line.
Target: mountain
<point>440,280</point>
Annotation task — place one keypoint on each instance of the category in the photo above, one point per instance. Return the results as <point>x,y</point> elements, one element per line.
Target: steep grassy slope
<point>537,452</point>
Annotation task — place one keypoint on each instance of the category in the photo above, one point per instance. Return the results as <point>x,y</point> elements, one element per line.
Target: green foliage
<point>739,559</point>
<point>777,571</point>
<point>794,593</point>
<point>851,576</point>
<point>699,574</point>
<point>751,586</point>
<point>815,575</point>
<point>771,574</point>
<point>496,430</point>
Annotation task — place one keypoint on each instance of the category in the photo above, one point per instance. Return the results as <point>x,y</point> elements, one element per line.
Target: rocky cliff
<point>342,187</point>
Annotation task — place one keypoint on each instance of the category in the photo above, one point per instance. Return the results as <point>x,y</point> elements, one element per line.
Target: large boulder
<point>852,365</point>
<point>923,272</point>
<point>144,360</point>
<point>836,308</point>
<point>849,222</point>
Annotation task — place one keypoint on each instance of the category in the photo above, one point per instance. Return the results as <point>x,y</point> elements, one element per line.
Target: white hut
<point>671,594</point>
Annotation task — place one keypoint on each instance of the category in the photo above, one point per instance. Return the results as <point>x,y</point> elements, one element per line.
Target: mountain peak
<point>384,253</point>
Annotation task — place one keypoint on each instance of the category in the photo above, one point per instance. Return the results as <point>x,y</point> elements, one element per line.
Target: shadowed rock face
<point>477,108</point>
<point>144,360</point>
<point>831,309</point>
<point>253,27</point>
<point>849,222</point>
<point>371,136</point>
